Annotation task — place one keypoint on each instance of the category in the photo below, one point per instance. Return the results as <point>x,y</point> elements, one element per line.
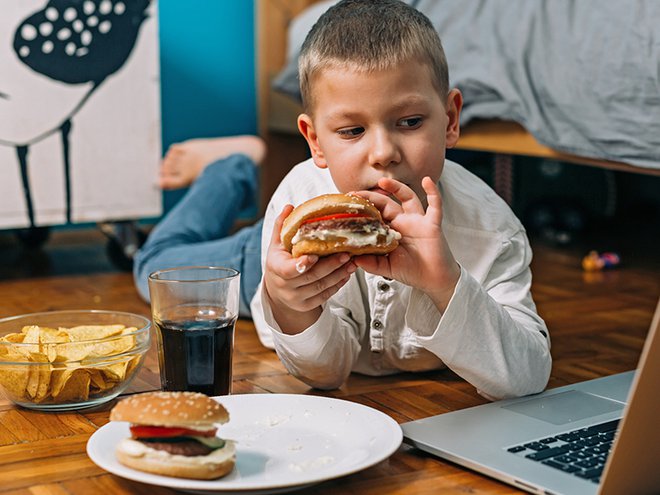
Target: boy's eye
<point>411,122</point>
<point>351,131</point>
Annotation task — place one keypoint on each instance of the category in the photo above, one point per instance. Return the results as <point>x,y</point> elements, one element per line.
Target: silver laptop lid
<point>633,466</point>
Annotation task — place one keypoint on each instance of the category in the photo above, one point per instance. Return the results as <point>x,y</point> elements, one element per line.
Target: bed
<point>572,81</point>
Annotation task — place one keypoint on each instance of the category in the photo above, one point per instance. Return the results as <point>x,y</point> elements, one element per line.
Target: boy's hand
<point>423,259</point>
<point>297,287</point>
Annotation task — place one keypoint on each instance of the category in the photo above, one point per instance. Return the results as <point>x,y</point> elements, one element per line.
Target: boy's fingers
<point>381,201</point>
<point>329,266</point>
<point>321,282</point>
<point>430,187</point>
<point>410,203</point>
<point>275,239</point>
<point>432,196</point>
<point>288,270</point>
<point>305,262</point>
<point>388,207</point>
<point>316,300</point>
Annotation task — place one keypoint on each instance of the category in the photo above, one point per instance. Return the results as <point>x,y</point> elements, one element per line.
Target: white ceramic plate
<point>285,442</point>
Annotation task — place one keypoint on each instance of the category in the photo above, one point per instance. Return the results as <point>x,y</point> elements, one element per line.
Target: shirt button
<point>383,287</point>
<point>377,324</point>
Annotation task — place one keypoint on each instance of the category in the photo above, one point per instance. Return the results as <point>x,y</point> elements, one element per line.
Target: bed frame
<point>278,112</point>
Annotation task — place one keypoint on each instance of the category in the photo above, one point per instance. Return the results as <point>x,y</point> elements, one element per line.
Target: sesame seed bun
<point>183,409</point>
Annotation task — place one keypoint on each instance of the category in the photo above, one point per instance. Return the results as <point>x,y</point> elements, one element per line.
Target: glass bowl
<point>64,360</point>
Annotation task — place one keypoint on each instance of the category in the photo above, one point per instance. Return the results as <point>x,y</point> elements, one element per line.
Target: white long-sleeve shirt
<point>490,334</point>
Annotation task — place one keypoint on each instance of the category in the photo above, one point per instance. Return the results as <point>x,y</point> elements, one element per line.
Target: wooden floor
<point>603,314</point>
<point>597,323</point>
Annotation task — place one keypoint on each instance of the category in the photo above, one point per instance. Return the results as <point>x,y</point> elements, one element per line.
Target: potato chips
<point>61,365</point>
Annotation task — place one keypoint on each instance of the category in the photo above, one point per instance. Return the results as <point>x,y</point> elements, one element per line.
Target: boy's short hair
<point>371,35</point>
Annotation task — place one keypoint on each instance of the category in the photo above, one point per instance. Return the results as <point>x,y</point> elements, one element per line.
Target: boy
<point>455,293</point>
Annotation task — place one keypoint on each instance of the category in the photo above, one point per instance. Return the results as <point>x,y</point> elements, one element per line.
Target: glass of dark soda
<point>194,311</point>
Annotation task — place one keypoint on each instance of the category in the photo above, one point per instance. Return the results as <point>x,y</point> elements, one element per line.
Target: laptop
<point>598,436</point>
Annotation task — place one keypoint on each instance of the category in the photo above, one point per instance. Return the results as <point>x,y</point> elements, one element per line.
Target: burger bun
<point>183,409</point>
<point>343,242</point>
<point>137,455</point>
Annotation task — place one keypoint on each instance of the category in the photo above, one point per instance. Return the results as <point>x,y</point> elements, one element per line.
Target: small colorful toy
<point>596,261</point>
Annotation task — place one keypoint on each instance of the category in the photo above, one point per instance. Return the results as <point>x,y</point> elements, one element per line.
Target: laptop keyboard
<point>581,452</point>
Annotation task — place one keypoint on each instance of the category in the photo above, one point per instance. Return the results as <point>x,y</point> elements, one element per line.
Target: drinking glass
<point>194,311</point>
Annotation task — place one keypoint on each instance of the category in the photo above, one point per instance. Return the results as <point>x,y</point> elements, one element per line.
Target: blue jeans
<point>197,230</point>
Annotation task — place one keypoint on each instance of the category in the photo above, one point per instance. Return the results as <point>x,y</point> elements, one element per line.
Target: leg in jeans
<point>197,230</point>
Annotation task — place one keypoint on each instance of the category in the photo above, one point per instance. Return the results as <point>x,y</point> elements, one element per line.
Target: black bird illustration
<point>78,43</point>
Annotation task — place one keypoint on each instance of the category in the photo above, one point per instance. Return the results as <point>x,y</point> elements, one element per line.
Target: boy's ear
<point>306,128</point>
<point>454,106</point>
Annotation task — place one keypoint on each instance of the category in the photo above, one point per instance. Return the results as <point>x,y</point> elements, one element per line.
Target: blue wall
<point>207,70</point>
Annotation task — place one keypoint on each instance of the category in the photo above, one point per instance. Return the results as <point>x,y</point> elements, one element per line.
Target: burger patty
<point>183,447</point>
<point>354,224</point>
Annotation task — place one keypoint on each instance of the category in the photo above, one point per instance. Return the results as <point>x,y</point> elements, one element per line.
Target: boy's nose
<point>384,150</point>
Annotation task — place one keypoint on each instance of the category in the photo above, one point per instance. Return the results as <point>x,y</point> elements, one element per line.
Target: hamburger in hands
<point>337,223</point>
<point>174,434</point>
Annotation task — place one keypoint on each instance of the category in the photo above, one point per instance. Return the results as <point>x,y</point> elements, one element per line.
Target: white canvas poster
<point>79,111</point>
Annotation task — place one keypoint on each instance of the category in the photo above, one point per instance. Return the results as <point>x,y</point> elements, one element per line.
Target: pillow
<point>286,80</point>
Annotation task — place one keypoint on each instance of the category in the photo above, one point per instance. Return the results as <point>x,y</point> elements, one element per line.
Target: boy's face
<point>390,123</point>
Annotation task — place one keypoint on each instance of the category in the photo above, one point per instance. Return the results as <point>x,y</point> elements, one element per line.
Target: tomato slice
<point>334,216</point>
<point>141,431</point>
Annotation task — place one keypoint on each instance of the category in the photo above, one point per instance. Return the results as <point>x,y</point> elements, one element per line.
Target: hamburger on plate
<point>174,434</point>
<point>337,223</point>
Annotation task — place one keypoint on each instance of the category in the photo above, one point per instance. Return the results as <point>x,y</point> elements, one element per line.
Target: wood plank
<point>273,20</point>
<point>111,484</point>
<point>47,470</point>
<point>511,138</point>
<point>17,453</point>
<point>15,421</point>
<point>48,489</point>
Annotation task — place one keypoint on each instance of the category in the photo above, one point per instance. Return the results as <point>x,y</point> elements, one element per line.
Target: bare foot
<point>184,162</point>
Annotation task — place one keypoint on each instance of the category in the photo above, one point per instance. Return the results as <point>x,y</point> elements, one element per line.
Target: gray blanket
<point>583,76</point>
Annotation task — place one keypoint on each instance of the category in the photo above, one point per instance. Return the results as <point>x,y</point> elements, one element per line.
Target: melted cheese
<point>367,237</point>
<point>139,449</point>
